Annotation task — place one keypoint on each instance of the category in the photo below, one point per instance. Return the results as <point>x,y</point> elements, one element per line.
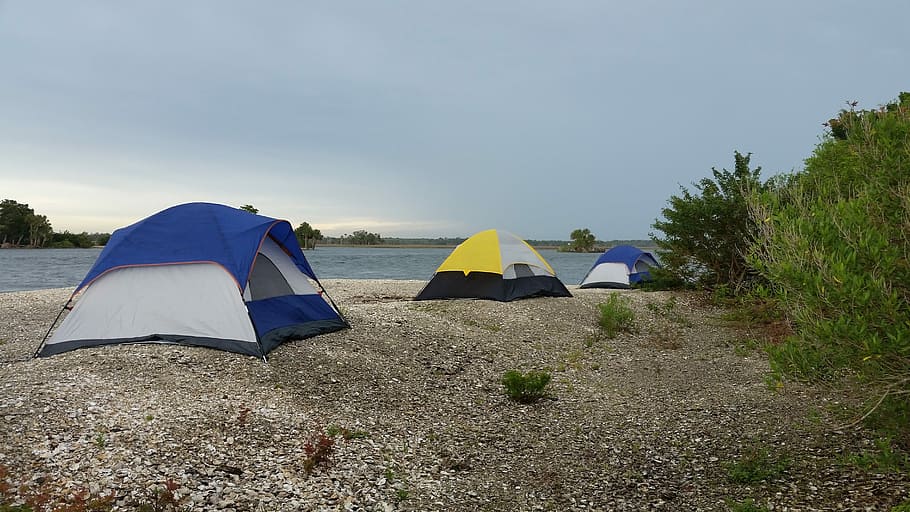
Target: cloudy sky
<point>420,117</point>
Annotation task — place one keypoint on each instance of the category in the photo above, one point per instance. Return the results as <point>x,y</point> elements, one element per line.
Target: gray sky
<point>422,118</point>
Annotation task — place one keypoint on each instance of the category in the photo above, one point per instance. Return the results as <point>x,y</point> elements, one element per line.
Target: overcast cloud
<point>422,118</point>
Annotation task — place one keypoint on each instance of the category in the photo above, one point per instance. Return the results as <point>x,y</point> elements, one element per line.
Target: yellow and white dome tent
<point>495,265</point>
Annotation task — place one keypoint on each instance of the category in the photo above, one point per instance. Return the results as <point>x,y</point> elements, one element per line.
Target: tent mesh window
<point>522,270</point>
<point>266,280</point>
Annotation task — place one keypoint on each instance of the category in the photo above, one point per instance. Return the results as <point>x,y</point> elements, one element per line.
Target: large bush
<point>707,232</point>
<point>835,243</point>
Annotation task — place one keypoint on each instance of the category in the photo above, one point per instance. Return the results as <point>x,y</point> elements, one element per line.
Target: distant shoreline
<point>360,246</point>
<point>596,250</point>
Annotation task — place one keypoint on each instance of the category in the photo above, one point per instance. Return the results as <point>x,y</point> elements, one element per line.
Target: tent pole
<point>337,309</point>
<point>51,328</point>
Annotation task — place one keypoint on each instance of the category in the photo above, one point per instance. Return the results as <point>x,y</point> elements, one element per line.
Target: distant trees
<point>39,230</point>
<point>21,226</point>
<point>361,237</point>
<point>307,236</point>
<point>249,208</point>
<point>15,219</point>
<point>67,240</point>
<point>708,233</point>
<point>582,240</point>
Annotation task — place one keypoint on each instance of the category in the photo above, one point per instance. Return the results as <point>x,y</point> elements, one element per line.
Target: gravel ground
<point>657,419</point>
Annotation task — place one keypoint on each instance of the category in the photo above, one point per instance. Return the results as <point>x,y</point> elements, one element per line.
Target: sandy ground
<point>410,396</point>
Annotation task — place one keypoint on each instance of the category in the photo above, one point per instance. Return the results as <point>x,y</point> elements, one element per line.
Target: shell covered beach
<point>411,404</point>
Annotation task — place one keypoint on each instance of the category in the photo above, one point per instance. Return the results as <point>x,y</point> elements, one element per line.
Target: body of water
<point>36,269</point>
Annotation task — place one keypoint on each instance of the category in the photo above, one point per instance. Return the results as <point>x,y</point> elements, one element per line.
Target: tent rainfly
<point>493,265</point>
<point>620,267</point>
<point>198,274</point>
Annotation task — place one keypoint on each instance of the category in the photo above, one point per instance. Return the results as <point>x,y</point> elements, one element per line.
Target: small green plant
<point>402,494</point>
<point>746,347</point>
<point>345,433</point>
<point>487,326</point>
<point>389,474</point>
<point>754,466</point>
<point>883,459</point>
<point>526,388</point>
<point>318,452</point>
<point>669,309</point>
<point>149,417</point>
<point>902,507</point>
<point>590,340</point>
<point>572,360</point>
<point>747,505</point>
<point>100,440</point>
<point>616,316</point>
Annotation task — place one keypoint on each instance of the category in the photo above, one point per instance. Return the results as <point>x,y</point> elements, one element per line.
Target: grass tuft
<point>526,388</point>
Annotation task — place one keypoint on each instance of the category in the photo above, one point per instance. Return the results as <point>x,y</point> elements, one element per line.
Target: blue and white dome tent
<point>198,274</point>
<point>620,267</point>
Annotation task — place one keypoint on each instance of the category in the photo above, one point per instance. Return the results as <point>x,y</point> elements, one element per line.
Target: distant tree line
<point>440,241</point>
<point>359,237</point>
<point>20,226</point>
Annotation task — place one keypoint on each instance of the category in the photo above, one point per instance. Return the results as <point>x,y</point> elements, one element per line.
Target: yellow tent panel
<point>480,253</point>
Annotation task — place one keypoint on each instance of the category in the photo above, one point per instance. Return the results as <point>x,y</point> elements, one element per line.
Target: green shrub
<point>834,243</point>
<point>885,458</point>
<point>748,505</point>
<point>707,232</point>
<point>616,316</point>
<point>525,388</point>
<point>754,466</point>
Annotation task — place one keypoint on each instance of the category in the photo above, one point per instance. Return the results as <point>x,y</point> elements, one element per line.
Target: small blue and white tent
<point>620,267</point>
<point>198,274</point>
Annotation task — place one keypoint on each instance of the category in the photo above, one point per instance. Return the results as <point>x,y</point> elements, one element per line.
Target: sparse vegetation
<point>755,465</point>
<point>526,388</point>
<point>243,415</point>
<point>318,452</point>
<point>345,433</point>
<point>747,505</point>
<point>161,499</point>
<point>23,496</point>
<point>616,316</point>
<point>669,309</point>
<point>883,459</point>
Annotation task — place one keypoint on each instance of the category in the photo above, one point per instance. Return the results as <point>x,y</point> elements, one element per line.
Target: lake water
<point>36,269</point>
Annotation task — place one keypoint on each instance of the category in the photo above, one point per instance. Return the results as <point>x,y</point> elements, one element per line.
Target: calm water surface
<point>35,269</point>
